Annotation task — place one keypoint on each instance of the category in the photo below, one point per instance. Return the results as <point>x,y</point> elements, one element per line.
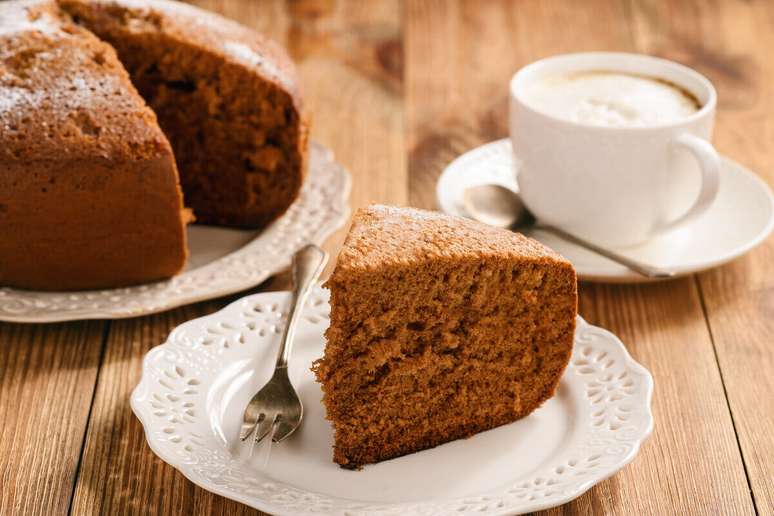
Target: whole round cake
<point>101,102</point>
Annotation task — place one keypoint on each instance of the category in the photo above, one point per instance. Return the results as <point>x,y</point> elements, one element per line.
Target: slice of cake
<point>441,327</point>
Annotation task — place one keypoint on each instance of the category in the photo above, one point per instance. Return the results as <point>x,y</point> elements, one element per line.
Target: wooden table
<point>398,89</point>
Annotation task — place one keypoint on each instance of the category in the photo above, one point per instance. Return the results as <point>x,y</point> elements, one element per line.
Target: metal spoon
<point>501,207</point>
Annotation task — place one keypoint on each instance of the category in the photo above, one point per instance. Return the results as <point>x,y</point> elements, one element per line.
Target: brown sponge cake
<point>89,193</point>
<point>226,97</point>
<point>440,328</point>
<point>89,190</point>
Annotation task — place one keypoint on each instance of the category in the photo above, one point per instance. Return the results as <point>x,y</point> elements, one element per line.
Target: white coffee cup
<point>617,186</point>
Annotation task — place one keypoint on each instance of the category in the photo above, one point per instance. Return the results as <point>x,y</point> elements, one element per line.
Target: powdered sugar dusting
<point>15,19</point>
<point>248,56</point>
<point>88,91</point>
<point>395,210</point>
<point>166,6</point>
<point>76,89</point>
<point>382,235</point>
<point>172,9</point>
<point>13,98</point>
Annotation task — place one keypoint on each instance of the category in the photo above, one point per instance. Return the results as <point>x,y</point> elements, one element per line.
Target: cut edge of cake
<point>422,304</point>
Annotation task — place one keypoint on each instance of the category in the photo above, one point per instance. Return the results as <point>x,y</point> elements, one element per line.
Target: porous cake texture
<point>441,327</point>
<point>226,97</point>
<point>89,193</point>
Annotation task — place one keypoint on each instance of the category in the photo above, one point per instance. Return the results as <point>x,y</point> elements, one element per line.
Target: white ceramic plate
<point>195,386</point>
<point>741,217</point>
<point>222,261</point>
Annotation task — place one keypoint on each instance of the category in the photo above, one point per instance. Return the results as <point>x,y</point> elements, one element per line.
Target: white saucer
<point>221,260</point>
<point>195,386</point>
<point>741,218</point>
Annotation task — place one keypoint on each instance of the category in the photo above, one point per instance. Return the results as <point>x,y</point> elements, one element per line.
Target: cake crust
<point>383,235</point>
<point>440,328</point>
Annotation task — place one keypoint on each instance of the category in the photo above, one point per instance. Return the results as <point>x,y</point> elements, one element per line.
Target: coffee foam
<point>613,99</point>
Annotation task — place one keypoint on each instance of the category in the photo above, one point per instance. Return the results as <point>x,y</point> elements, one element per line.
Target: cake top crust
<point>387,235</point>
<point>196,27</point>
<point>64,94</point>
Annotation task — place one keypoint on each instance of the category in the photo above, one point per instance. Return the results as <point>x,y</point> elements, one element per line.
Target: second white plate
<point>195,386</point>
<point>741,217</point>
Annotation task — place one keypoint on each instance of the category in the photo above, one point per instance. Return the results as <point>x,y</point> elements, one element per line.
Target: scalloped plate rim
<point>321,234</point>
<point>603,271</point>
<point>577,491</point>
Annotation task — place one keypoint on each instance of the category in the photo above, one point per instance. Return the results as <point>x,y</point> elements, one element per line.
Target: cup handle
<point>709,163</point>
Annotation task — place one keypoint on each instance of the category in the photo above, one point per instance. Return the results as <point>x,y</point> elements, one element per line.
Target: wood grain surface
<point>663,325</point>
<point>398,89</point>
<point>47,378</point>
<point>739,297</point>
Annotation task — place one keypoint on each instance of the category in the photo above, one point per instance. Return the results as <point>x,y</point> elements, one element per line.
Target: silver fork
<point>277,403</point>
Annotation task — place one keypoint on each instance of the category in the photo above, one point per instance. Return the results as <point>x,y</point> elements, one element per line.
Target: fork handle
<point>308,264</point>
